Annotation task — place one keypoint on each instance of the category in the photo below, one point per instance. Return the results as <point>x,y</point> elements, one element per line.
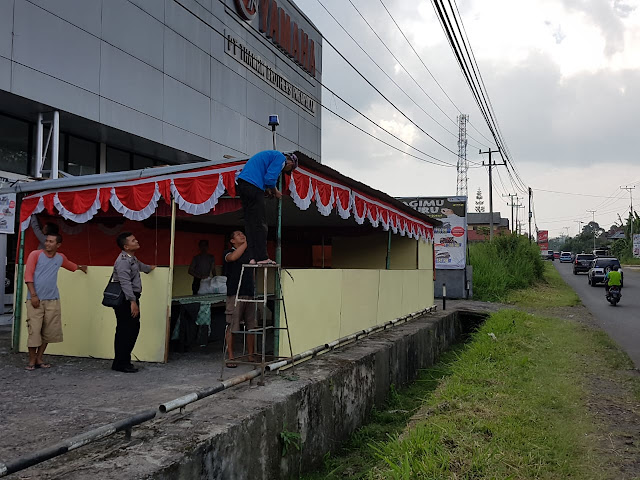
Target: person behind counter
<point>126,271</point>
<point>201,266</point>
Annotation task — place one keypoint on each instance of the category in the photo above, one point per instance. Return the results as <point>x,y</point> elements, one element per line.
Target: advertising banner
<point>450,240</point>
<point>7,213</point>
<point>636,246</point>
<point>543,237</point>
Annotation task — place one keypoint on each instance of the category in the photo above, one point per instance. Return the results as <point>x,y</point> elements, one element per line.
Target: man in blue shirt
<point>257,179</point>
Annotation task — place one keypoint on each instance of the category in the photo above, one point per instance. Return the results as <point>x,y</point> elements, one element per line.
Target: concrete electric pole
<point>630,190</point>
<point>491,165</point>
<point>593,213</point>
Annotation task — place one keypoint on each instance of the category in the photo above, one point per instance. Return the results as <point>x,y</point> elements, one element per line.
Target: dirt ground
<point>614,402</point>
<point>41,407</point>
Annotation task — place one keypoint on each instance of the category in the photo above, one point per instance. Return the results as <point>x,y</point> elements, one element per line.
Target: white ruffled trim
<point>199,208</point>
<point>78,217</point>
<point>136,215</point>
<point>39,207</point>
<point>344,212</point>
<point>374,221</point>
<point>301,203</point>
<point>359,219</point>
<point>325,209</point>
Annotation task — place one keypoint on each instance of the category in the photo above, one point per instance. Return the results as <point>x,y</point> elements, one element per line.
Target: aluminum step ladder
<point>257,299</point>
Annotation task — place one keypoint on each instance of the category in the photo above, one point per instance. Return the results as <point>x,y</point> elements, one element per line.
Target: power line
<point>399,63</point>
<point>430,73</point>
<point>443,163</point>
<point>378,90</point>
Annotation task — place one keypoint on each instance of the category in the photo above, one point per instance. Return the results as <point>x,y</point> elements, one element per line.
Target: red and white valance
<point>306,186</point>
<point>197,192</point>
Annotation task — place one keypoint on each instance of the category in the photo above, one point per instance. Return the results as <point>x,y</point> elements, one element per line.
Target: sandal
<point>231,365</point>
<point>43,365</point>
<point>30,368</point>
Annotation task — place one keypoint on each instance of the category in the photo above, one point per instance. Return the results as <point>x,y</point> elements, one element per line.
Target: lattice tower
<point>463,163</point>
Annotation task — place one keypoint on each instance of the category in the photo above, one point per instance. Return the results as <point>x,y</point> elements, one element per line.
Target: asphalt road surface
<point>621,322</point>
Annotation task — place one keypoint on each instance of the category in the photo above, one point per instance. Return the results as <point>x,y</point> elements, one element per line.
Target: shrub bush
<point>510,262</point>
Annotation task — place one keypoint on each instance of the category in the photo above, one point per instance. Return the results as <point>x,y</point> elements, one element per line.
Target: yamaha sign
<point>276,24</point>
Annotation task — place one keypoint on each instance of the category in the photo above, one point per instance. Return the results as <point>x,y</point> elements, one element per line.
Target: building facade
<point>94,86</point>
<point>137,83</point>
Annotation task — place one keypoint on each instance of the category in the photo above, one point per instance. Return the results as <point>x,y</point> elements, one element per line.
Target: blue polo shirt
<point>263,169</point>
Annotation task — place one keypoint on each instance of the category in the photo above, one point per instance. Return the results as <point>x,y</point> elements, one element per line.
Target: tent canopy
<point>196,189</point>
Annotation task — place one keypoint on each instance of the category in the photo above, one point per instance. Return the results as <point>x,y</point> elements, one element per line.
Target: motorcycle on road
<point>614,295</point>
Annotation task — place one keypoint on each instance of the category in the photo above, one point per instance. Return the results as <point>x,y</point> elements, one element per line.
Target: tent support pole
<point>388,264</point>
<point>17,302</point>
<point>277,306</point>
<point>167,337</point>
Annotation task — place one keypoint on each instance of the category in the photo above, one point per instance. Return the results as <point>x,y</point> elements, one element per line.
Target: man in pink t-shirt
<point>43,299</point>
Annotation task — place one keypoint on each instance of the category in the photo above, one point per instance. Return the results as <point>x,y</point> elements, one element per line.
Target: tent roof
<point>197,187</point>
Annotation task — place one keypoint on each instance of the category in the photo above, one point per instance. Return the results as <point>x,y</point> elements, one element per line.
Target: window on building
<point>118,160</point>
<point>82,156</point>
<point>14,145</point>
<point>140,162</point>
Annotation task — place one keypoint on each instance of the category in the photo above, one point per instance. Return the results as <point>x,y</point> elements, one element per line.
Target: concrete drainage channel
<point>241,433</point>
<point>326,404</point>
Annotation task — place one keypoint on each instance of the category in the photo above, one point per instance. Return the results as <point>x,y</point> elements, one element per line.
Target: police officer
<point>126,271</point>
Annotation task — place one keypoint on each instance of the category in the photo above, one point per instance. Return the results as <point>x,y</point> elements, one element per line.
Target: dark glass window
<point>83,156</point>
<point>14,145</point>
<point>118,160</point>
<point>140,162</point>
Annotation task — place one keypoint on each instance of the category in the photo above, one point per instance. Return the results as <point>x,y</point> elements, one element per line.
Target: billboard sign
<point>636,246</point>
<point>450,239</point>
<point>543,236</point>
<point>7,213</point>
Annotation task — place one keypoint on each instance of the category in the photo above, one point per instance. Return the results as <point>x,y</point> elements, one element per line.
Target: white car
<point>565,257</point>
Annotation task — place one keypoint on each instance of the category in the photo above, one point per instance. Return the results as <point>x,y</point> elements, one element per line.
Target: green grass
<point>356,459</point>
<point>514,407</point>
<point>509,263</point>
<point>551,291</point>
<point>630,261</point>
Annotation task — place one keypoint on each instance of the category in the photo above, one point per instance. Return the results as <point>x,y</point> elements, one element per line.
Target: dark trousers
<point>255,219</point>
<point>195,286</point>
<point>127,329</point>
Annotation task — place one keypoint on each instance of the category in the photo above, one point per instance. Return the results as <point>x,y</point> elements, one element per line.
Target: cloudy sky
<point>563,77</point>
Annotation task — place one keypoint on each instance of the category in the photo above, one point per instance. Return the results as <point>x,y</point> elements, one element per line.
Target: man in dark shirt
<point>201,266</point>
<point>243,311</point>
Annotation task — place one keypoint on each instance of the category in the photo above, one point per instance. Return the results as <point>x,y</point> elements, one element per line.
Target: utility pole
<point>530,215</point>
<point>491,165</point>
<point>518,207</point>
<point>593,212</point>
<point>511,195</point>
<point>630,190</point>
<point>579,222</point>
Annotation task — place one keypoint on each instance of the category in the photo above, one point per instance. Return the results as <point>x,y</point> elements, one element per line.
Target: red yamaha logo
<point>247,8</point>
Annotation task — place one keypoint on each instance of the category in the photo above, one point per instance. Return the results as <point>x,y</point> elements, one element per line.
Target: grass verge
<point>513,407</point>
<point>551,291</point>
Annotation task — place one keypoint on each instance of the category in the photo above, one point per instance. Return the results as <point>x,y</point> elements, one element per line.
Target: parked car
<point>556,255</point>
<point>565,257</point>
<point>582,262</point>
<point>601,252</point>
<point>600,266</point>
<point>546,254</point>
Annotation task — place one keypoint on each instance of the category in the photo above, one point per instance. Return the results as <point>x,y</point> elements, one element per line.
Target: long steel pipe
<point>141,417</point>
<point>75,442</point>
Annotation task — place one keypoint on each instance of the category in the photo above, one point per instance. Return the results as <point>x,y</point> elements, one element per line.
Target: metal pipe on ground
<point>75,442</point>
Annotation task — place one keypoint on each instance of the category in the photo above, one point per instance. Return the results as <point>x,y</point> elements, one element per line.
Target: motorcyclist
<point>613,278</point>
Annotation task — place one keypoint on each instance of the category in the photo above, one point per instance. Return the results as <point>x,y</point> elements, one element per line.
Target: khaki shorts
<point>44,323</point>
<point>244,311</point>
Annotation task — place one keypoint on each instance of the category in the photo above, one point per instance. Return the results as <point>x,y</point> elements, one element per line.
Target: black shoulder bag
<point>113,295</point>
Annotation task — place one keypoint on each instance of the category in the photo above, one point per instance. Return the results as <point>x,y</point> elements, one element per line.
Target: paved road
<point>622,322</point>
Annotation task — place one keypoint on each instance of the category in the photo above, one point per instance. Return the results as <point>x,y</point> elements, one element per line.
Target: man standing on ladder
<point>257,180</point>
